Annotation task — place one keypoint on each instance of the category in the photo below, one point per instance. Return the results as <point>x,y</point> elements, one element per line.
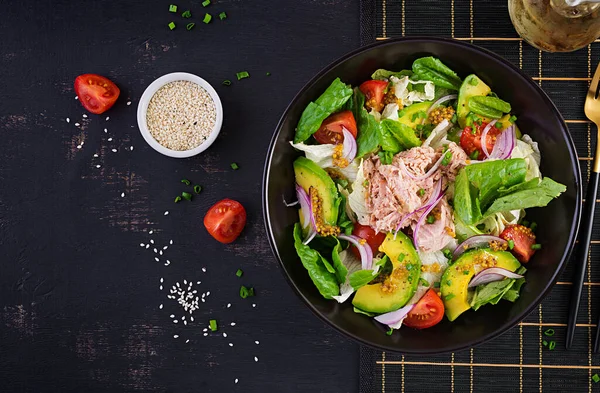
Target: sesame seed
<point>187,341</point>
<point>160,252</point>
<point>185,323</point>
<point>198,282</point>
<point>95,155</point>
<point>172,316</point>
<point>155,250</point>
<point>97,166</point>
<point>253,305</point>
<point>142,244</point>
<point>236,380</point>
<point>84,116</point>
<point>224,334</point>
<point>79,146</point>
<point>184,282</point>
<point>161,287</point>
<point>175,336</point>
<point>171,242</point>
<point>228,305</point>
<point>160,307</point>
<point>109,139</point>
<point>122,195</point>
<point>256,342</point>
<point>204,269</point>
<point>231,344</point>
<point>192,319</point>
<point>128,103</point>
<point>207,293</point>
<point>167,263</point>
<point>156,259</point>
<point>105,130</point>
<point>147,246</point>
<point>152,241</point>
<point>107,117</point>
<point>205,330</point>
<point>150,233</point>
<point>131,148</point>
<point>114,150</point>
<point>183,318</point>
<point>68,120</point>
<point>232,323</point>
<point>175,321</point>
<point>76,124</point>
<point>76,97</point>
<point>165,247</point>
<point>205,334</point>
<point>166,213</point>
<point>256,359</point>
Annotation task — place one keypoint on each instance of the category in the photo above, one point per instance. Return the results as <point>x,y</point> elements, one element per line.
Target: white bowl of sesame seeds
<point>180,115</point>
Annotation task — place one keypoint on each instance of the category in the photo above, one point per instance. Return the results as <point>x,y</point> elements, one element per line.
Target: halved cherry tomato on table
<point>225,220</point>
<point>374,90</point>
<point>523,238</point>
<point>96,93</point>
<point>373,239</point>
<point>331,128</point>
<point>427,312</point>
<point>470,140</point>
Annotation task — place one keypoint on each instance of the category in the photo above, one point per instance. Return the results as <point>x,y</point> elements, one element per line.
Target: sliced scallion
<point>172,8</point>
<point>190,26</point>
<point>242,74</point>
<point>172,25</point>
<point>222,16</point>
<point>207,18</point>
<point>226,82</point>
<point>197,188</point>
<point>186,195</point>
<point>213,325</point>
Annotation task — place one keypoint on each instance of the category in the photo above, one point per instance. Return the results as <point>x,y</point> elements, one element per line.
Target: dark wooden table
<point>79,297</point>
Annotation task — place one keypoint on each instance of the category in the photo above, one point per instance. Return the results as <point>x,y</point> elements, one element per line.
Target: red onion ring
<point>505,143</point>
<point>441,101</point>
<point>437,190</point>
<point>422,218</point>
<point>366,254</point>
<point>392,319</point>
<point>492,274</point>
<point>349,145</point>
<point>484,137</point>
<point>476,241</point>
<point>305,205</point>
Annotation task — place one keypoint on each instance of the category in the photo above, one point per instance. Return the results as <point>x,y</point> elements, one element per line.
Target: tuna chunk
<point>435,236</point>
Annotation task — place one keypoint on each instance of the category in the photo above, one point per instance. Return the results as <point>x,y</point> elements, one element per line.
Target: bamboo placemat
<point>517,361</point>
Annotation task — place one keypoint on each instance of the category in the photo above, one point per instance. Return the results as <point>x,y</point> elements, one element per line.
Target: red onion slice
<point>441,101</point>
<point>349,145</point>
<point>430,172</point>
<point>366,254</point>
<point>305,205</point>
<point>484,137</point>
<point>476,241</point>
<point>492,274</point>
<point>394,318</point>
<point>423,217</point>
<point>505,143</point>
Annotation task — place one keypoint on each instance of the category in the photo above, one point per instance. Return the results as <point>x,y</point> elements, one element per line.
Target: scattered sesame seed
<point>187,341</point>
<point>122,195</point>
<point>114,150</point>
<point>192,319</point>
<point>204,269</point>
<point>228,305</point>
<point>207,293</point>
<point>175,321</point>
<point>205,334</point>
<point>168,262</point>
<point>142,244</point>
<point>109,139</point>
<point>172,316</point>
<point>97,166</point>
<point>205,330</point>
<point>76,124</point>
<point>107,117</point>
<point>203,301</point>
<point>183,318</point>
<point>161,287</point>
<point>256,342</point>
<point>84,116</point>
<point>232,323</point>
<point>155,250</point>
<point>162,279</point>
<point>166,213</point>
<point>95,155</point>
<point>171,242</point>
<point>105,130</point>
<point>253,305</point>
<point>76,97</point>
<point>150,232</point>
<point>156,259</point>
<point>131,148</point>
<point>231,344</point>
<point>236,380</point>
<point>185,323</point>
<point>224,334</point>
<point>68,120</point>
<point>147,246</point>
<point>256,359</point>
<point>165,247</point>
<point>160,307</point>
<point>128,102</point>
<point>160,252</point>
<point>184,282</point>
<point>79,146</point>
<point>175,336</point>
<point>198,282</point>
<point>152,241</point>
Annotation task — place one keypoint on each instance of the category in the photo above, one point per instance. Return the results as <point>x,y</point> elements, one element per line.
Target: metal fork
<point>592,111</point>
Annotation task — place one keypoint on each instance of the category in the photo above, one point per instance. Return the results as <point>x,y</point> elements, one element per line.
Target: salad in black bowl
<point>417,190</point>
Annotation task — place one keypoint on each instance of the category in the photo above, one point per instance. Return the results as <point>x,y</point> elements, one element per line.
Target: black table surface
<point>79,297</point>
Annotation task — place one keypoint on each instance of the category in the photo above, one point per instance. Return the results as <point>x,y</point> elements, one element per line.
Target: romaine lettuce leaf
<point>324,280</point>
<point>369,136</point>
<point>491,293</point>
<point>432,69</point>
<point>351,264</point>
<point>537,196</point>
<point>329,102</point>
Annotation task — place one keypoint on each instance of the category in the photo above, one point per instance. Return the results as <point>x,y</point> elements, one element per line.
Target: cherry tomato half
<point>331,128</point>
<point>374,90</point>
<point>373,239</point>
<point>470,140</point>
<point>96,93</point>
<point>523,238</point>
<point>427,312</point>
<point>225,220</point>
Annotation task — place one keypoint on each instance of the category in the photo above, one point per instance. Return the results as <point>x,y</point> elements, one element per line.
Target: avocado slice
<point>400,286</point>
<point>309,174</point>
<point>405,116</point>
<point>471,86</point>
<point>455,280</point>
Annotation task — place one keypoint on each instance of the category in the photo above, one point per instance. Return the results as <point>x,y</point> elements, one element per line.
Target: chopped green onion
<point>177,199</point>
<point>234,166</point>
<point>171,25</point>
<point>436,284</point>
<point>401,257</point>
<point>222,16</point>
<point>533,226</point>
<point>430,219</point>
<point>239,273</point>
<point>226,82</point>
<point>498,125</point>
<point>246,292</point>
<point>409,267</point>
<point>421,191</point>
<point>190,26</point>
<point>447,158</point>
<point>409,278</point>
<point>173,8</point>
<point>389,332</point>
<point>466,272</point>
<point>213,325</point>
<point>424,282</point>
<point>197,189</point>
<point>449,296</point>
<point>447,253</point>
<point>595,378</point>
<point>511,244</point>
<point>186,182</point>
<point>473,82</point>
<point>454,118</point>
<point>549,332</point>
<point>187,14</point>
<point>475,155</point>
<point>242,74</point>
<point>512,119</point>
<point>205,3</point>
<point>187,196</point>
<point>207,18</point>
<point>268,74</point>
<point>545,343</point>
<point>449,282</point>
<point>551,345</point>
<point>536,246</point>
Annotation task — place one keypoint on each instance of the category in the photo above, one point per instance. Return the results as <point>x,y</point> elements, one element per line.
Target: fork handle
<point>581,258</point>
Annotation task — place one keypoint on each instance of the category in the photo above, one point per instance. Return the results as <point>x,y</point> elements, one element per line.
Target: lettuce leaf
<point>351,264</point>
<point>382,74</point>
<point>535,195</point>
<point>313,262</point>
<point>358,197</point>
<point>402,133</point>
<point>491,293</point>
<point>369,135</point>
<point>331,101</point>
<point>432,69</point>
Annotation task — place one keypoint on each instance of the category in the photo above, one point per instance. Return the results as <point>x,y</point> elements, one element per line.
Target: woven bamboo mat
<point>517,361</point>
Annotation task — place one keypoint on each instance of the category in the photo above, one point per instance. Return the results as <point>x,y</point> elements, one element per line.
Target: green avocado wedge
<point>454,285</point>
<point>308,174</point>
<point>400,286</point>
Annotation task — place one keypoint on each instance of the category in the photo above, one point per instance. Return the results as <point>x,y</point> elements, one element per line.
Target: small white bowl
<point>143,109</point>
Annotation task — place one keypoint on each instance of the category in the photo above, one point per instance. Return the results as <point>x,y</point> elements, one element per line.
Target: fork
<point>592,111</point>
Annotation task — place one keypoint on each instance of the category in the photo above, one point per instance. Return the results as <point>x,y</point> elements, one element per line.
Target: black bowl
<point>557,223</point>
